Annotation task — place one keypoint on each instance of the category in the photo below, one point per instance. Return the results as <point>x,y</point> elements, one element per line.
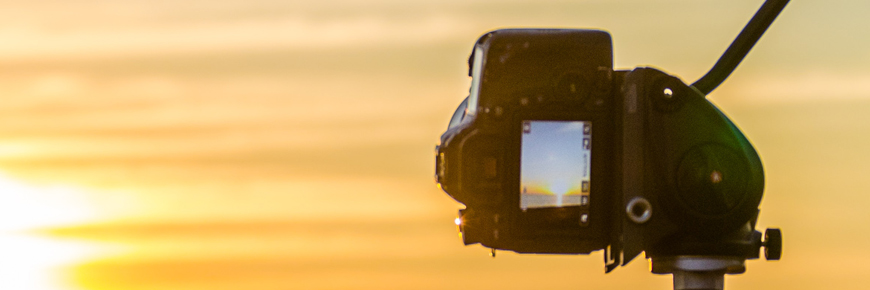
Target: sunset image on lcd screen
<point>555,164</point>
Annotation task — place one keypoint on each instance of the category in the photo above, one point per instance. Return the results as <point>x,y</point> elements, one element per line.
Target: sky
<point>263,144</point>
<point>553,158</point>
<point>554,164</point>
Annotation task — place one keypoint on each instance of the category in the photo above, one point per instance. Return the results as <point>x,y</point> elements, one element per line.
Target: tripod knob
<point>772,244</point>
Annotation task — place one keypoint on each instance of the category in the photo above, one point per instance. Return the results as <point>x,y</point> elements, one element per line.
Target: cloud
<point>571,127</point>
<point>30,42</point>
<point>793,88</point>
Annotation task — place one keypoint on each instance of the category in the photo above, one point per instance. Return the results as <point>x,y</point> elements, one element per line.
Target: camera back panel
<point>530,159</point>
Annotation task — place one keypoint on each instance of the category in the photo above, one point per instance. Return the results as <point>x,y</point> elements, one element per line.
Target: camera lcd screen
<point>555,164</point>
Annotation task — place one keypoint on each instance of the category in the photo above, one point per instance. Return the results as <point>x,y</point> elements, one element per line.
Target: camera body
<point>554,151</point>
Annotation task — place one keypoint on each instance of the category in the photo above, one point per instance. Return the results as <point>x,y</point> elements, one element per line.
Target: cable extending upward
<point>741,46</point>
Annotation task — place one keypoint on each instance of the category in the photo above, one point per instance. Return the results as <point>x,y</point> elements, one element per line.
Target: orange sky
<point>280,144</point>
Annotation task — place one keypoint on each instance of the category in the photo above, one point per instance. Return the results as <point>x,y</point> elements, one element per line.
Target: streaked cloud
<point>788,87</point>
<point>287,33</point>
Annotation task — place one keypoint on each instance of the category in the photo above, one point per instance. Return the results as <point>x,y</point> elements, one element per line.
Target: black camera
<point>554,151</point>
<point>534,92</point>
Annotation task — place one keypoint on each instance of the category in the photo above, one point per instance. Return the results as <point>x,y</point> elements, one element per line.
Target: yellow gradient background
<point>265,144</point>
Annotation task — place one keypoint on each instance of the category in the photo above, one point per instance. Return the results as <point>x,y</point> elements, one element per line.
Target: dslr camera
<point>555,152</point>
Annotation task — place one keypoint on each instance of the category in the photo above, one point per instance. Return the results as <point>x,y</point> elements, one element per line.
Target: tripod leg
<point>698,272</point>
<point>690,280</point>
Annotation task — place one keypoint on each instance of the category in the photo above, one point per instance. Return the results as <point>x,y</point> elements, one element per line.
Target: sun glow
<point>26,207</point>
<point>35,261</point>
<point>560,187</point>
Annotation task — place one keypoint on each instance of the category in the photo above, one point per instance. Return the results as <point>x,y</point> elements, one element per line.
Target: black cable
<point>741,46</point>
